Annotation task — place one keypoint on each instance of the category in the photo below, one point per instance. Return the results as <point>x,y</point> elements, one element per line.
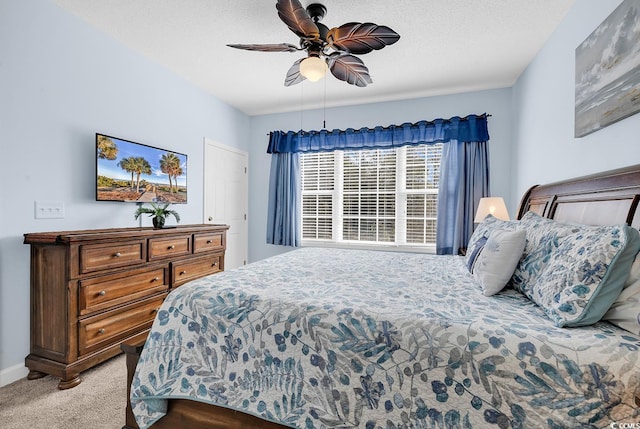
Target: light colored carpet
<point>97,403</point>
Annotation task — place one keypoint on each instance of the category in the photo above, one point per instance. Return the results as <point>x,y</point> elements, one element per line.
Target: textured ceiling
<point>446,46</point>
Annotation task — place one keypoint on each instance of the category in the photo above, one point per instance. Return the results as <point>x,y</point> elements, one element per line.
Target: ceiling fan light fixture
<point>313,68</point>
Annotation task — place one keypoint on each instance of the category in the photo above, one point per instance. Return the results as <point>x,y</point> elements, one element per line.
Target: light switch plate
<point>49,210</point>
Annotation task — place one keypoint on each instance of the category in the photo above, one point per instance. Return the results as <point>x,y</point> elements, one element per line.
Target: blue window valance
<point>472,128</point>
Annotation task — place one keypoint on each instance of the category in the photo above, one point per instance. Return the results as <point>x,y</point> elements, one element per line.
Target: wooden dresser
<point>95,289</point>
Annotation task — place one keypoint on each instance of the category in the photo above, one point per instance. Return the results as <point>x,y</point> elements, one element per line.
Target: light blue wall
<point>495,102</point>
<point>543,99</point>
<point>60,82</point>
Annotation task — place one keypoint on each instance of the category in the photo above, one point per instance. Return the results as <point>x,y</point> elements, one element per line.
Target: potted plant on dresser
<point>159,213</point>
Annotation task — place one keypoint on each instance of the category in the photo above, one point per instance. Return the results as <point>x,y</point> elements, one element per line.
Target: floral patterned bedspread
<point>328,338</point>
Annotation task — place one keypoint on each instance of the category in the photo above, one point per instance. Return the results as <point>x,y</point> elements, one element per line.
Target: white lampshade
<point>491,206</point>
<point>313,68</point>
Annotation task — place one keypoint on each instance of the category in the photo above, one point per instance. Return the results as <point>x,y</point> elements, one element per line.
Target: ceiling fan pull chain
<point>324,107</point>
<point>301,105</point>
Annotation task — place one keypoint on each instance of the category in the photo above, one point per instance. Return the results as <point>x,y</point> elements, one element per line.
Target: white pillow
<point>481,234</point>
<point>496,262</point>
<point>625,311</point>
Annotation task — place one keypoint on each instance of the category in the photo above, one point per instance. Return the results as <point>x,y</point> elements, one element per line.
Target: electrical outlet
<point>49,210</point>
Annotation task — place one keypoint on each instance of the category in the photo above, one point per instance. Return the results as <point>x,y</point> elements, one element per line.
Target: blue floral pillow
<point>574,272</point>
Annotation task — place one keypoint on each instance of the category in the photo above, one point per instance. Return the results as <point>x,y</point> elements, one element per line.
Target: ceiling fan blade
<point>293,75</point>
<point>361,38</point>
<point>275,47</point>
<point>349,69</point>
<point>297,19</point>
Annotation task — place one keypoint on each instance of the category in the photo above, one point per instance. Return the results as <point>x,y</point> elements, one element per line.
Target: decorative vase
<point>158,222</point>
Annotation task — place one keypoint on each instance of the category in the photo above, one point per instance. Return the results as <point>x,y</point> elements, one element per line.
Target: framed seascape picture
<point>608,71</point>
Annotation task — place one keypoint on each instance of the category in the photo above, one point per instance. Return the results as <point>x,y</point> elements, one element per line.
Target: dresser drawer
<point>96,257</point>
<point>208,242</point>
<point>161,248</point>
<point>100,293</point>
<point>109,327</point>
<point>183,271</point>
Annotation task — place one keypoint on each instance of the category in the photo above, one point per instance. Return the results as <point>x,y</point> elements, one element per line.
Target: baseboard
<point>13,373</point>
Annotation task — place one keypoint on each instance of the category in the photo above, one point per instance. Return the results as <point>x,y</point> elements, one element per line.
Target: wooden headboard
<point>606,198</point>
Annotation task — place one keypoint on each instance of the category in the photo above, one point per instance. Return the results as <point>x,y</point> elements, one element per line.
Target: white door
<point>226,197</point>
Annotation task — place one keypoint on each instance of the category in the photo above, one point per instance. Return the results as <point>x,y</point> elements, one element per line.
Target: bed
<point>335,338</point>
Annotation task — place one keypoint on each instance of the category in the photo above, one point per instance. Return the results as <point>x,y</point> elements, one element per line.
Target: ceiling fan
<point>333,48</point>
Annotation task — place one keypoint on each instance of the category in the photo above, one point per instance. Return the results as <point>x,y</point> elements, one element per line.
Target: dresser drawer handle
<point>154,311</point>
<point>101,331</point>
<point>209,241</point>
<point>214,264</point>
<point>102,293</point>
<point>155,279</point>
<point>117,255</point>
<point>183,272</point>
<point>171,247</point>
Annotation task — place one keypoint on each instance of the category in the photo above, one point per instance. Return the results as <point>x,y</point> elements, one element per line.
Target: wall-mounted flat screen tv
<point>135,172</point>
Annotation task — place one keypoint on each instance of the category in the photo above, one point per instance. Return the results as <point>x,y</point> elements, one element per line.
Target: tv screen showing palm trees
<point>135,172</point>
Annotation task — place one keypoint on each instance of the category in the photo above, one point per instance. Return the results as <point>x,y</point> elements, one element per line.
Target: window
<point>385,197</point>
<point>317,171</point>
